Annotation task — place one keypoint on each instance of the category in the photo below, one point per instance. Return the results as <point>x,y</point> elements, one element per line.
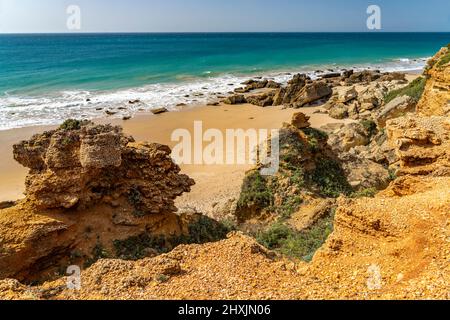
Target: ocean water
<point>45,79</point>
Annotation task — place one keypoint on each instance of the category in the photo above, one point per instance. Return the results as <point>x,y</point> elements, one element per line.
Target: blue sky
<point>223,15</point>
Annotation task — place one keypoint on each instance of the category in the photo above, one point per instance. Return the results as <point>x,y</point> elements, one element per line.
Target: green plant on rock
<point>365,193</point>
<point>136,247</point>
<point>314,136</point>
<point>330,178</point>
<point>370,127</point>
<point>255,192</point>
<point>297,244</point>
<point>98,252</point>
<point>206,230</point>
<point>162,278</point>
<point>202,230</point>
<point>414,90</point>
<point>444,60</point>
<point>272,237</point>
<point>71,124</point>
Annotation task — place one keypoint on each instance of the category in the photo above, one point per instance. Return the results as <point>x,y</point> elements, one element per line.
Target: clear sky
<point>222,15</point>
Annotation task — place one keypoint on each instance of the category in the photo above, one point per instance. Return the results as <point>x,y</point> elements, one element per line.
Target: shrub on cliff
<point>444,60</point>
<point>297,244</point>
<point>255,193</point>
<point>330,178</point>
<point>414,90</point>
<point>71,124</point>
<point>202,230</point>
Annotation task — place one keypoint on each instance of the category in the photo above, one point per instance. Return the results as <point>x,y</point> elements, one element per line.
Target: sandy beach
<point>213,182</point>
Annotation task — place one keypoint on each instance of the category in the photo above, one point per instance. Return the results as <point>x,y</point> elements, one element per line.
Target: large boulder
<point>262,100</point>
<point>347,94</point>
<point>422,144</point>
<point>235,99</point>
<point>363,173</point>
<point>259,84</point>
<point>363,76</point>
<point>300,120</point>
<point>295,85</point>
<point>436,96</point>
<point>395,108</point>
<point>89,164</point>
<point>338,111</point>
<point>92,192</point>
<point>348,137</point>
<point>311,93</point>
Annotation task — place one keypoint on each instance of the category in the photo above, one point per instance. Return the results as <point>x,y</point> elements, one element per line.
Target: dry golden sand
<point>212,182</point>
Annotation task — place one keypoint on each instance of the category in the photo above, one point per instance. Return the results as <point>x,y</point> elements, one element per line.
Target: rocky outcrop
<point>235,99</point>
<point>422,144</point>
<point>308,170</point>
<point>393,246</point>
<point>89,188</point>
<point>362,173</point>
<point>300,120</point>
<point>91,164</point>
<point>363,76</point>
<point>350,136</point>
<point>339,111</point>
<point>436,98</point>
<point>262,100</point>
<point>309,93</point>
<point>393,76</point>
<point>365,100</point>
<point>395,108</point>
<point>361,170</point>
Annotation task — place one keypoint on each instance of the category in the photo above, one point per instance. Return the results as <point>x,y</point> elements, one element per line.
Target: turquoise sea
<point>46,78</point>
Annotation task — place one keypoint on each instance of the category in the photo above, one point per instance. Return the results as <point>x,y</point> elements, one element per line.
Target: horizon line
<point>207,32</point>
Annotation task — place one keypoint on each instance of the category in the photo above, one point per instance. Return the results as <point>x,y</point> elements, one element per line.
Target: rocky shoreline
<point>348,197</point>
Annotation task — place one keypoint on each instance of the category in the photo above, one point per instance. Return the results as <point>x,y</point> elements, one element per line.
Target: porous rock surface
<point>99,164</point>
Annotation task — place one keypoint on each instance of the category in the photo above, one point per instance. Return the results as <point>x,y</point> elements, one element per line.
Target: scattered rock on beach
<point>262,100</point>
<point>300,120</point>
<point>363,76</point>
<point>110,113</point>
<point>235,99</point>
<point>159,110</point>
<point>331,75</point>
<point>311,93</point>
<point>241,90</point>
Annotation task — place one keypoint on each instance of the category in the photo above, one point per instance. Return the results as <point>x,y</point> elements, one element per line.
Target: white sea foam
<point>22,111</point>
